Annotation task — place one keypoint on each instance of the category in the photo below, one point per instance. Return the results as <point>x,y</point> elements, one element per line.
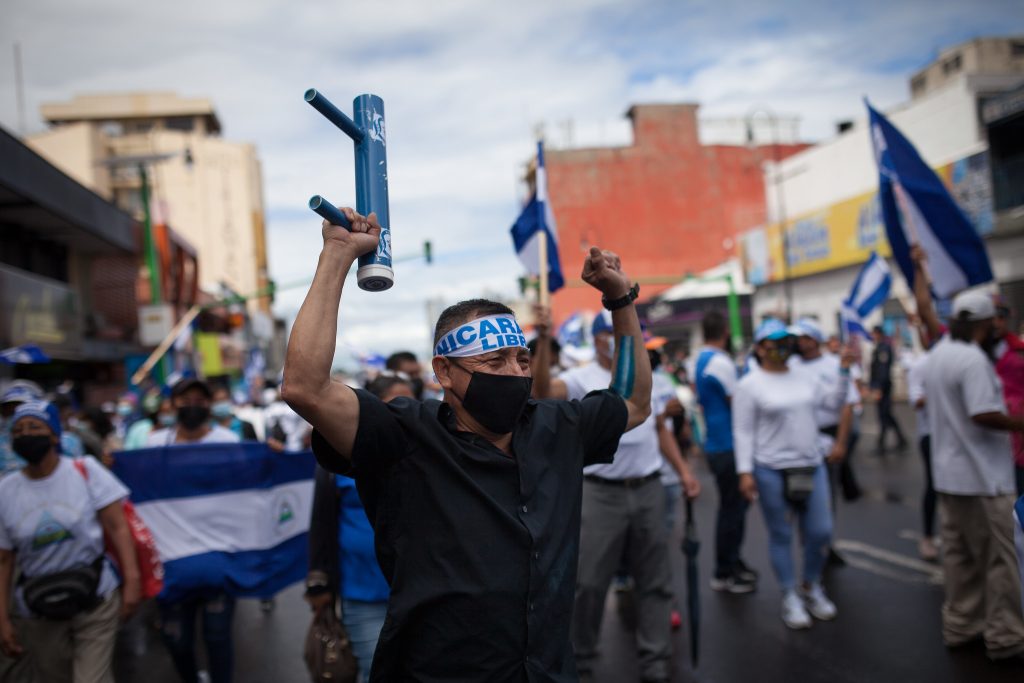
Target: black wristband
<point>622,302</point>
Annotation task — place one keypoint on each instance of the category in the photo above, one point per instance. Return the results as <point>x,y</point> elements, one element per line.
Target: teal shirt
<point>137,434</point>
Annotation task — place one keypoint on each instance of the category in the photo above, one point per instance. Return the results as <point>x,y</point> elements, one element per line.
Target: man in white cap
<point>974,478</point>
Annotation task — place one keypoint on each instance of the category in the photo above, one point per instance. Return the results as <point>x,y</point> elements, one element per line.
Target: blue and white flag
<point>870,290</point>
<point>28,353</point>
<point>536,221</point>
<point>1018,540</point>
<point>230,516</point>
<point>917,208</point>
<point>572,332</point>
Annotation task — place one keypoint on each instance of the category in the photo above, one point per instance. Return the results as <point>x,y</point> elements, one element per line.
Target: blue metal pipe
<point>334,115</point>
<point>329,211</point>
<point>368,131</point>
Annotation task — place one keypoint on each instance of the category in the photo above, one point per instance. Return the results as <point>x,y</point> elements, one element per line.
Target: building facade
<point>69,264</point>
<point>206,188</point>
<point>832,216</point>
<point>667,204</point>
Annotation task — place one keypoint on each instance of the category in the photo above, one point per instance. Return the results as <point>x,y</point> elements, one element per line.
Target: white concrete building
<point>829,192</point>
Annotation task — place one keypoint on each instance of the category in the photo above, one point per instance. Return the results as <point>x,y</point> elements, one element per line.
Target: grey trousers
<point>614,516</point>
<point>983,592</point>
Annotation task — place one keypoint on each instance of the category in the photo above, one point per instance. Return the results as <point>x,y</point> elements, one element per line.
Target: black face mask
<point>496,401</point>
<point>193,417</point>
<point>32,448</point>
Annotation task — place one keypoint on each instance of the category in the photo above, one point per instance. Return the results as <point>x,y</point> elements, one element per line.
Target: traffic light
<point>427,252</point>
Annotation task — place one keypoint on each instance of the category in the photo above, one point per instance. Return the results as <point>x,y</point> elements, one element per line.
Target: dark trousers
<point>886,420</point>
<point>929,500</point>
<point>732,513</point>
<point>178,626</point>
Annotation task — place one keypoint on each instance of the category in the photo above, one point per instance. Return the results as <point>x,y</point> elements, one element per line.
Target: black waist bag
<point>798,484</point>
<point>62,595</point>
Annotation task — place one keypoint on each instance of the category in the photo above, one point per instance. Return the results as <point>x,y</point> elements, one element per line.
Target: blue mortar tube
<point>329,211</point>
<point>367,130</point>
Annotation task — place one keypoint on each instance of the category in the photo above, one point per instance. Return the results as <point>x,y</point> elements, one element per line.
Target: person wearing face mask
<point>779,460</point>
<point>623,511</point>
<point>192,398</point>
<point>475,499</point>
<point>406,363</point>
<point>141,429</point>
<point>973,474</point>
<point>223,412</point>
<point>54,515</point>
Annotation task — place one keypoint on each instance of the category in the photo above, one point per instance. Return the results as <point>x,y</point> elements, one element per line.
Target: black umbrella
<point>691,546</point>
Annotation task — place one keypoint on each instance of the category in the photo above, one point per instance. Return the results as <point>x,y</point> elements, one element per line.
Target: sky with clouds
<point>466,85</point>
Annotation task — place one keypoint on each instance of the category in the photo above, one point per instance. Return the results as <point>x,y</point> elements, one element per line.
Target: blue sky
<point>466,85</point>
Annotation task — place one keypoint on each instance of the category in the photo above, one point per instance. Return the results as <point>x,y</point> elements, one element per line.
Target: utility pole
<point>19,89</point>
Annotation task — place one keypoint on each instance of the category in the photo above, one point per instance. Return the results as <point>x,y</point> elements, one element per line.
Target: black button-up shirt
<point>480,548</point>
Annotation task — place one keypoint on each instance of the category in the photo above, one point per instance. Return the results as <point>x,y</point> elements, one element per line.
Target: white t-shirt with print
<point>166,437</point>
<point>639,453</point>
<point>967,459</point>
<point>51,523</point>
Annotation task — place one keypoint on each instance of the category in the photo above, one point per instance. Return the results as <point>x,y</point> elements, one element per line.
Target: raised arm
<point>330,406</point>
<point>602,270</point>
<point>544,385</point>
<point>923,298</point>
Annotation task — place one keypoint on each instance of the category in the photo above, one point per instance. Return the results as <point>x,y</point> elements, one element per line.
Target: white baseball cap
<point>977,305</point>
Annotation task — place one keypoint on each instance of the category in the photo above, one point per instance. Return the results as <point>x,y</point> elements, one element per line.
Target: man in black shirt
<point>475,501</point>
<point>882,360</point>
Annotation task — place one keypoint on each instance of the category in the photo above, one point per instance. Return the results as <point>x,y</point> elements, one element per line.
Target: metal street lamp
<point>780,199</point>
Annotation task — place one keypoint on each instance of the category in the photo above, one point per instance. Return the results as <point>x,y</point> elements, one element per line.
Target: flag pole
<point>543,293</point>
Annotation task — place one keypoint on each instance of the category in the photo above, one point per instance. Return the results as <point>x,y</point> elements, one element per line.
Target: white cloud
<point>465,84</point>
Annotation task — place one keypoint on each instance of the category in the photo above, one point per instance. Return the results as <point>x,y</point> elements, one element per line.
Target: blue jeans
<point>815,518</point>
<point>363,621</point>
<point>178,626</point>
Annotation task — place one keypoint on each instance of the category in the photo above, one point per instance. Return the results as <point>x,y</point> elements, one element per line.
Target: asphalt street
<point>888,628</point>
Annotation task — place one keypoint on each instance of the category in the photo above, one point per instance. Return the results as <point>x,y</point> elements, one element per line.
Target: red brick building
<point>667,204</point>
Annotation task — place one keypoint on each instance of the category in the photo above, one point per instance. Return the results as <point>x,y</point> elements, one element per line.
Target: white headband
<point>482,335</point>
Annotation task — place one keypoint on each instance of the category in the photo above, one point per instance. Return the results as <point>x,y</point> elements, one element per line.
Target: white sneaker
<point>794,615</point>
<point>818,603</point>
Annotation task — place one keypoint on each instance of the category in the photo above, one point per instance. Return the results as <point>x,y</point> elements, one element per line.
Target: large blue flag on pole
<point>869,291</point>
<point>917,208</point>
<point>233,516</point>
<point>537,222</point>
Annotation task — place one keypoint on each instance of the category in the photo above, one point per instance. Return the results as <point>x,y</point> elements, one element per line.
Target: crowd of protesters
<point>777,427</point>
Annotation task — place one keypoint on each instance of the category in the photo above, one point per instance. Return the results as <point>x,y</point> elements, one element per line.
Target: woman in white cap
<point>54,514</point>
<point>780,463</point>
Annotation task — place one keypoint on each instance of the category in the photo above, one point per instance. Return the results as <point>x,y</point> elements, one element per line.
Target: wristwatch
<point>622,302</point>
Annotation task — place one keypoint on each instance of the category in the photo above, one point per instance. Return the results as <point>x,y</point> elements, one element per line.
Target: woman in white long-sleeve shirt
<point>781,463</point>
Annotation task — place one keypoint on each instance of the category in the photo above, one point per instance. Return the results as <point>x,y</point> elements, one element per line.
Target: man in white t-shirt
<point>972,466</point>
<point>623,503</point>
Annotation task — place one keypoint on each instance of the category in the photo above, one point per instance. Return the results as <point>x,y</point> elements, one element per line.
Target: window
<point>1017,48</point>
<point>952,65</point>
<point>182,123</point>
<point>917,84</point>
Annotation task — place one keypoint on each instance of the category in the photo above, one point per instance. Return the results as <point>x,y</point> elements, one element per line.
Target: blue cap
<point>41,410</point>
<point>808,327</point>
<point>771,329</point>
<point>602,323</point>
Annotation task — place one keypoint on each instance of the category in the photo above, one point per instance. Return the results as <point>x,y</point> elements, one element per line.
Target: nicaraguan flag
<point>1018,539</point>
<point>572,331</point>
<point>917,208</point>
<point>28,353</point>
<point>537,221</point>
<point>233,516</point>
<point>870,290</point>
